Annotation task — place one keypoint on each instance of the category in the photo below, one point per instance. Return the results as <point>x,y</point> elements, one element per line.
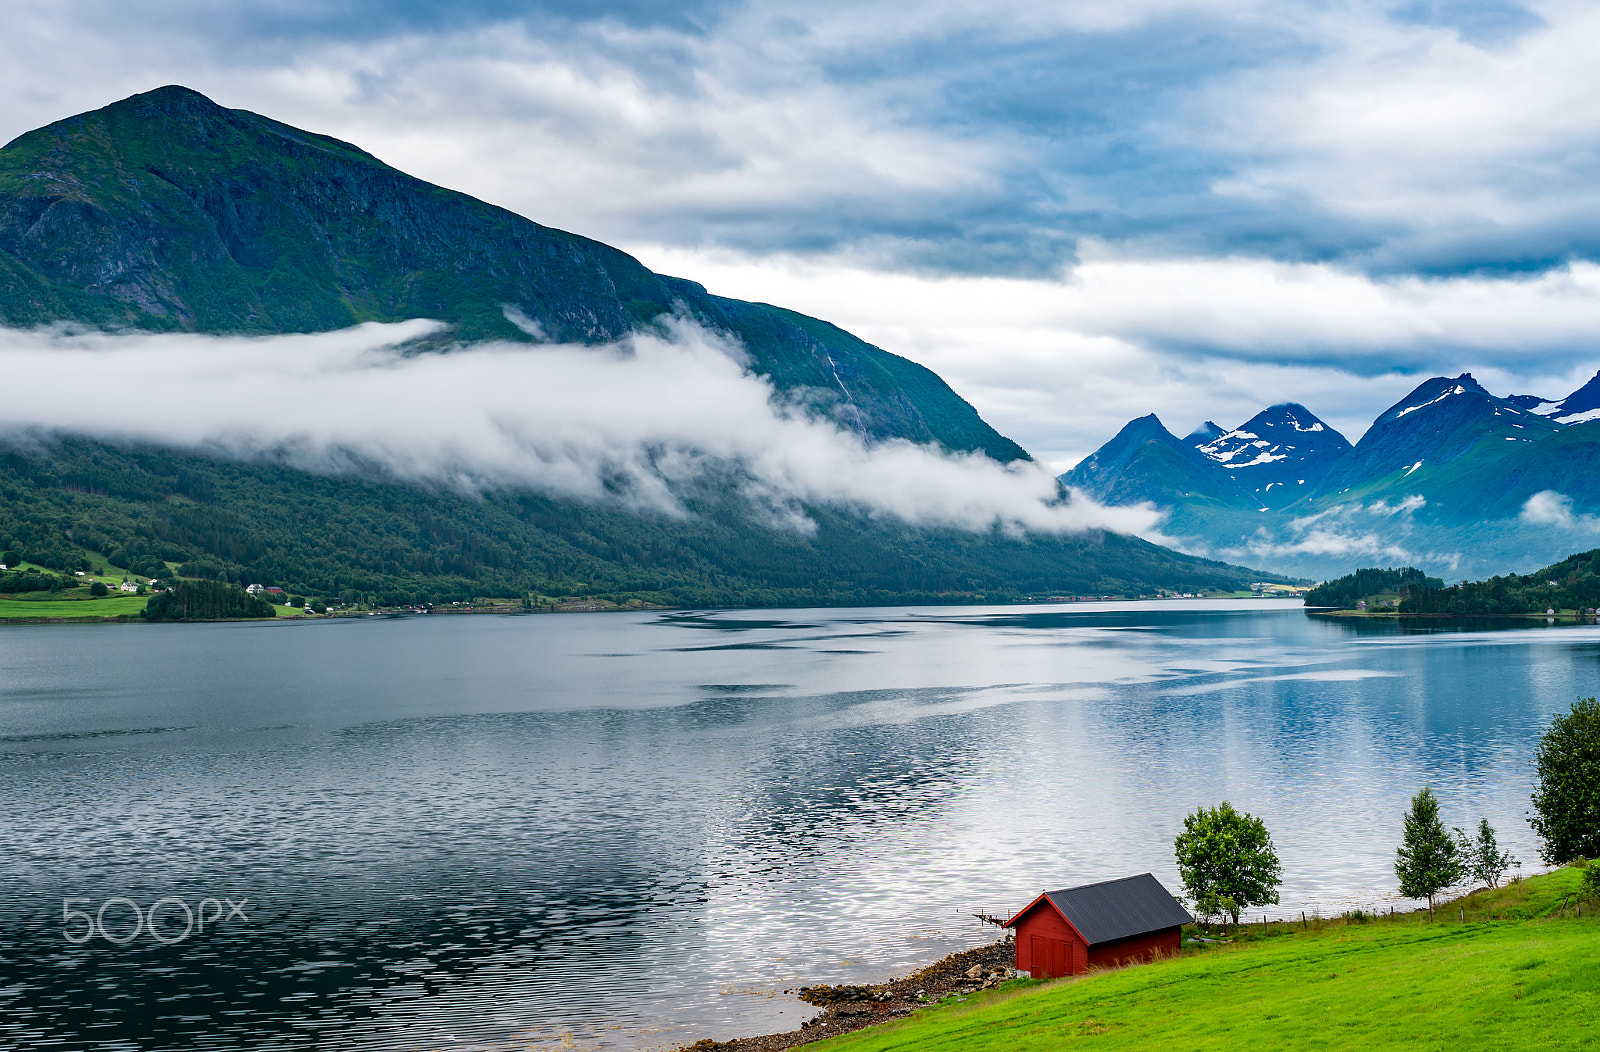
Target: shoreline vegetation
<point>72,603</point>
<point>1568,590</point>
<point>1513,966</point>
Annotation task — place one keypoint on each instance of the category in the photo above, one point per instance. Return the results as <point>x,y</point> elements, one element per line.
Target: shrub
<point>1589,887</point>
<point>1482,856</point>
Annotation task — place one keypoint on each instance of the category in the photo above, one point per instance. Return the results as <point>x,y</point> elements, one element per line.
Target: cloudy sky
<point>1077,212</point>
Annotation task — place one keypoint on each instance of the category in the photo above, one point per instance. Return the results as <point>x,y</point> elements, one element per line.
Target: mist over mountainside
<point>541,413</point>
<point>1451,478</point>
<point>168,212</point>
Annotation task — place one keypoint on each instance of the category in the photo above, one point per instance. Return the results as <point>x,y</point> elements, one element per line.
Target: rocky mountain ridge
<point>1452,478</point>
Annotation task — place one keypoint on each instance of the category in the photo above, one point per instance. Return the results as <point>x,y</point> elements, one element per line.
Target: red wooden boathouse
<point>1125,921</point>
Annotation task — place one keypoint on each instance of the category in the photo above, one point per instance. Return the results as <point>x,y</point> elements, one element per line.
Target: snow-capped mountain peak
<point>1579,407</point>
<point>1278,447</point>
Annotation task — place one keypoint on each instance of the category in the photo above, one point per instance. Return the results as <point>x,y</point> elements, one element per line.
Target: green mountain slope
<point>154,510</point>
<point>166,211</point>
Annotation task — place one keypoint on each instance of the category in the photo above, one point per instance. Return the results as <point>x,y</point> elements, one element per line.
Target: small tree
<point>1428,859</point>
<point>98,588</point>
<point>1566,800</point>
<point>1482,857</point>
<point>1227,861</point>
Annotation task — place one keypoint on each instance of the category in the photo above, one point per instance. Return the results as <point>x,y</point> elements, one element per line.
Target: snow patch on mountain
<point>1456,390</point>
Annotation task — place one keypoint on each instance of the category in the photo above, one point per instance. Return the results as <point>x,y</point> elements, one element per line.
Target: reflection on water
<point>637,830</point>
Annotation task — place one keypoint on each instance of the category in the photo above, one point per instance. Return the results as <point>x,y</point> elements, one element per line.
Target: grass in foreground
<point>1528,979</point>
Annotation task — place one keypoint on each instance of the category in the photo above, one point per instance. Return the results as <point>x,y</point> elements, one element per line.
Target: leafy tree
<point>1428,859</point>
<point>11,559</point>
<point>1482,857</point>
<point>1566,800</point>
<point>98,589</point>
<point>1227,861</point>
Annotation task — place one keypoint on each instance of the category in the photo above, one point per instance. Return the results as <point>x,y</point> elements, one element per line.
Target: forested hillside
<point>1571,584</point>
<point>1347,591</point>
<point>153,511</point>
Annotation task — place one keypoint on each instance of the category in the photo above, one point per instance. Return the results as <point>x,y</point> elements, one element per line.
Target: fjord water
<point>637,830</point>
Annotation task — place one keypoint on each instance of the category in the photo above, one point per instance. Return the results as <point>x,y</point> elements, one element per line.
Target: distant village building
<point>1125,921</point>
<point>254,589</point>
<point>127,586</point>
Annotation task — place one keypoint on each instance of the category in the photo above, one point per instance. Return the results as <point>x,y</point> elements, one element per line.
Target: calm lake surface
<point>635,831</point>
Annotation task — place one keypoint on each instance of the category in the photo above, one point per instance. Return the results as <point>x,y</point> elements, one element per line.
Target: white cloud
<point>1413,127</point>
<point>1061,364</point>
<point>1549,508</point>
<point>787,135</point>
<point>1401,507</point>
<point>634,422</point>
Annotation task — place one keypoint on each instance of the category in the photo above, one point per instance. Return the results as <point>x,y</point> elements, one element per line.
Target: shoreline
<point>1560,616</point>
<point>855,1007</point>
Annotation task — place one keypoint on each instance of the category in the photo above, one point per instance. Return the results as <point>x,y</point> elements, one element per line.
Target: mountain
<point>1581,406</point>
<point>166,212</point>
<point>1144,462</point>
<point>1438,423</point>
<point>1451,478</point>
<point>1283,448</point>
<point>1206,432</point>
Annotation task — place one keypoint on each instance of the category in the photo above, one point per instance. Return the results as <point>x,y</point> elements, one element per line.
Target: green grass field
<point>79,609</point>
<point>1527,979</point>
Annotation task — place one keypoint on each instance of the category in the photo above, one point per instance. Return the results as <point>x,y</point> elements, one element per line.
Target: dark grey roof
<point>1119,909</point>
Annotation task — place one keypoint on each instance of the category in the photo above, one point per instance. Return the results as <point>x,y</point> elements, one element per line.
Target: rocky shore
<point>847,1008</point>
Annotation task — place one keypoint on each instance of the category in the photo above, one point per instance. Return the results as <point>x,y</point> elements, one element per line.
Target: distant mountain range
<point>1451,478</point>
<point>167,212</point>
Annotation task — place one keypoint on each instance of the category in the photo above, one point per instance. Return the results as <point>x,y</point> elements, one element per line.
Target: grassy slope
<point>1525,979</point>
